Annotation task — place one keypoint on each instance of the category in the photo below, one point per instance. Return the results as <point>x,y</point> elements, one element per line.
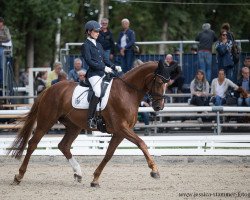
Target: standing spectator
<point>225,61</point>
<point>226,27</point>
<point>62,76</point>
<point>106,39</point>
<point>54,74</point>
<point>23,78</point>
<point>206,38</point>
<point>4,38</point>
<point>125,43</point>
<point>219,87</point>
<point>176,78</point>
<point>244,82</point>
<point>40,82</point>
<point>199,88</point>
<point>73,73</point>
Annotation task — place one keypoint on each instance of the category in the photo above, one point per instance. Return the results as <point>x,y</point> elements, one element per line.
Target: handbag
<point>230,98</point>
<point>136,49</point>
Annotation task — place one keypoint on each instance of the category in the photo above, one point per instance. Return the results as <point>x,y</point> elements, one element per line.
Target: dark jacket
<point>95,59</point>
<point>175,70</point>
<point>106,40</point>
<point>224,56</point>
<point>130,39</point>
<point>206,39</point>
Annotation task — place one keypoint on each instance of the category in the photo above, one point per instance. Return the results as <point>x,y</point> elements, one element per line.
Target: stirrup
<point>92,123</point>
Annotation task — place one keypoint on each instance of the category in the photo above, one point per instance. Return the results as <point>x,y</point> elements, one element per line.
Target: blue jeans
<point>205,63</point>
<point>127,60</point>
<point>242,100</point>
<point>219,101</point>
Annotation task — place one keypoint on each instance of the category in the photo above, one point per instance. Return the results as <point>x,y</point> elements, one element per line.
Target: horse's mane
<point>138,68</point>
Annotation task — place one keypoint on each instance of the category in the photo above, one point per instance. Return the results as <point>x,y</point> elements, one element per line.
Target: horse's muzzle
<point>157,108</point>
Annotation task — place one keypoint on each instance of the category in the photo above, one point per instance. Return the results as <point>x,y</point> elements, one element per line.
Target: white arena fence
<point>157,146</point>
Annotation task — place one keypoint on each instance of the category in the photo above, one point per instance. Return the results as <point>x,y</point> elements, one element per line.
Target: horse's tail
<point>24,133</point>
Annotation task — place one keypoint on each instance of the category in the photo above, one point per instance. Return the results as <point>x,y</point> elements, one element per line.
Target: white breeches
<point>95,82</point>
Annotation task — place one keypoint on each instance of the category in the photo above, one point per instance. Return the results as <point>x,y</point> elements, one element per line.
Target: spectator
<point>247,62</point>
<point>226,27</point>
<point>146,102</point>
<point>194,49</point>
<point>106,39</point>
<point>23,78</point>
<point>176,78</point>
<point>225,61</point>
<point>82,77</point>
<point>244,82</point>
<point>93,54</point>
<point>73,73</point>
<point>137,62</point>
<point>125,43</point>
<point>206,38</point>
<point>199,88</point>
<point>219,87</point>
<point>54,74</point>
<point>4,38</point>
<point>62,76</point>
<point>40,82</point>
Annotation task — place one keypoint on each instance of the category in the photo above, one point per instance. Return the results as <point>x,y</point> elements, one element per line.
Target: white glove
<point>118,68</point>
<point>108,70</point>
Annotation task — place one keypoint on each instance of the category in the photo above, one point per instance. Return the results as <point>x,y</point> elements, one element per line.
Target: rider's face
<point>94,34</point>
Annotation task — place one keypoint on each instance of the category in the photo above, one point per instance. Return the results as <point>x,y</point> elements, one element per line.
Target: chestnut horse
<point>120,115</point>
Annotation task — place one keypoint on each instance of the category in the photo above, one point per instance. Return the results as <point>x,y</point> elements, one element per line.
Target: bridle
<point>150,92</point>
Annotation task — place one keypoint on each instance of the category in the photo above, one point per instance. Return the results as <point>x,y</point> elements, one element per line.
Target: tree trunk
<point>104,11</point>
<point>30,50</point>
<point>164,37</point>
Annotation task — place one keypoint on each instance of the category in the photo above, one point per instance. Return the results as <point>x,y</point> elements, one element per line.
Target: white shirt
<point>92,40</point>
<point>123,41</point>
<point>220,89</point>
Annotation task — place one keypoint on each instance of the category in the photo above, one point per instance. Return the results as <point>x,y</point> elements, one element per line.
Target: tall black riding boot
<point>91,112</point>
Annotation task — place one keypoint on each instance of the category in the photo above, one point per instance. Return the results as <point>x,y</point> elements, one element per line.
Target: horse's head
<point>158,87</point>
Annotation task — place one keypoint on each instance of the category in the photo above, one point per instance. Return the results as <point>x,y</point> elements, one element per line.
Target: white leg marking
<point>75,165</point>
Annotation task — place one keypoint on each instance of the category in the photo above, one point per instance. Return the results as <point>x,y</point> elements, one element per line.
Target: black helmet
<point>92,25</point>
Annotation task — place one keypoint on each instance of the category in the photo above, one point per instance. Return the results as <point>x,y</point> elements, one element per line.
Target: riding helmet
<point>92,25</point>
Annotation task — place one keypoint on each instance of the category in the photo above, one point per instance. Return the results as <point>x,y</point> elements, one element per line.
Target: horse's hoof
<point>16,181</point>
<point>78,178</point>
<point>155,175</point>
<point>94,184</point>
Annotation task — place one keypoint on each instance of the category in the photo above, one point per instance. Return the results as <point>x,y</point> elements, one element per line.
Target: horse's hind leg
<point>114,142</point>
<point>32,145</point>
<point>71,134</point>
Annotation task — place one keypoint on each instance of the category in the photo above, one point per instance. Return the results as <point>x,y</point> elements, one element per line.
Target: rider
<point>93,54</point>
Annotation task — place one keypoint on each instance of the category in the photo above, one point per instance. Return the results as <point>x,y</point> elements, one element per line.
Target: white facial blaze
<point>75,165</point>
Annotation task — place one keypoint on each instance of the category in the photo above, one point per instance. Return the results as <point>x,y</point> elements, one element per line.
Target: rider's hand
<point>118,68</point>
<point>108,70</point>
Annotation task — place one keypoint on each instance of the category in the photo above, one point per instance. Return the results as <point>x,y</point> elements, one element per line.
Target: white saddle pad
<point>80,94</point>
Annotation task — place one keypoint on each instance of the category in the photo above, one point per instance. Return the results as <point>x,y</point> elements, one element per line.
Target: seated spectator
<point>145,115</point>
<point>54,74</point>
<point>176,78</point>
<point>247,62</point>
<point>137,62</point>
<point>219,87</point>
<point>73,74</point>
<point>82,77</point>
<point>244,82</point>
<point>40,82</point>
<point>199,88</point>
<point>62,76</point>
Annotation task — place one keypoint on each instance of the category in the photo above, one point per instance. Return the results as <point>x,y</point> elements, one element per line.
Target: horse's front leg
<point>132,137</point>
<point>114,142</point>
